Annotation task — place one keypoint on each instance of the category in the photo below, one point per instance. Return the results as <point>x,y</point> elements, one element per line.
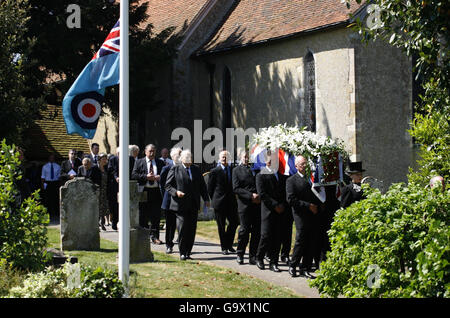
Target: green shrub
<point>22,224</point>
<point>9,277</point>
<point>65,282</point>
<point>390,245</point>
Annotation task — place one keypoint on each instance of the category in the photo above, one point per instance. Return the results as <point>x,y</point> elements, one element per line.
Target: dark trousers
<point>171,225</point>
<point>270,242</point>
<point>306,239</point>
<point>250,229</point>
<point>52,199</point>
<point>114,210</point>
<point>226,233</point>
<point>150,211</point>
<point>286,233</point>
<point>187,226</point>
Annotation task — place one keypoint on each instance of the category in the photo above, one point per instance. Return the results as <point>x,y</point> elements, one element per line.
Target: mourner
<point>353,192</point>
<point>249,209</point>
<point>70,166</point>
<point>50,186</point>
<point>170,215</point>
<point>305,206</point>
<point>185,184</point>
<point>223,201</point>
<point>271,187</point>
<point>147,172</point>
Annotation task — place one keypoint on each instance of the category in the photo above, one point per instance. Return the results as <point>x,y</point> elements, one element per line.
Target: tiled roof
<point>49,136</point>
<point>254,21</point>
<point>172,13</point>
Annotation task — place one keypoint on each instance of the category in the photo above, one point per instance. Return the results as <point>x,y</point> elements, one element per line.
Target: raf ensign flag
<point>82,104</point>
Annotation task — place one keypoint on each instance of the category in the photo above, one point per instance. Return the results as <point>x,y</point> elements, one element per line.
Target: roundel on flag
<point>86,109</point>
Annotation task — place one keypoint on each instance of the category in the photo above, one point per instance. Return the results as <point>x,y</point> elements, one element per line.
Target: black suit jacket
<point>178,179</point>
<point>299,195</point>
<point>66,166</point>
<point>244,185</point>
<point>271,191</point>
<point>220,189</point>
<point>140,170</point>
<point>349,195</point>
<point>94,174</point>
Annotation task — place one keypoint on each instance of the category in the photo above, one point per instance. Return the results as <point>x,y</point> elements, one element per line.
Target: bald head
<point>437,181</point>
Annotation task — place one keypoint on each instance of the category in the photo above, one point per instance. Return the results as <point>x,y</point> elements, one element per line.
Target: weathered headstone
<point>140,247</point>
<point>79,200</point>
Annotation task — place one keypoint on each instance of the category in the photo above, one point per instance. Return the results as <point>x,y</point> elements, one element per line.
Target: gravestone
<point>140,247</point>
<point>79,203</point>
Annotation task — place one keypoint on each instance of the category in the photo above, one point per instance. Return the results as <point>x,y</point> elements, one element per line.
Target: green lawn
<point>168,277</point>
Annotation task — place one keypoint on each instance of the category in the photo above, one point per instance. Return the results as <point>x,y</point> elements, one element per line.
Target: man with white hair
<point>437,181</point>
<point>185,184</point>
<point>305,206</point>
<point>220,189</point>
<point>171,218</point>
<point>271,187</point>
<point>147,172</point>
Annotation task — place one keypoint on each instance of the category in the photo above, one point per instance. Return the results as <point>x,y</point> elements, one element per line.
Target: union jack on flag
<point>111,44</point>
<point>82,104</point>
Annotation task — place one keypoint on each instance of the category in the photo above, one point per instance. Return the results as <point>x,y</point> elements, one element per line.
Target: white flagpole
<point>124,193</point>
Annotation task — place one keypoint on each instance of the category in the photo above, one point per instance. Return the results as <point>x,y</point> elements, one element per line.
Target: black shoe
<point>292,271</point>
<point>260,264</point>
<point>285,259</point>
<point>306,274</point>
<point>169,250</point>
<point>274,268</point>
<point>225,252</point>
<point>252,261</point>
<point>189,256</point>
<point>240,259</point>
<point>114,227</point>
<point>231,250</point>
<point>183,257</point>
<point>103,227</point>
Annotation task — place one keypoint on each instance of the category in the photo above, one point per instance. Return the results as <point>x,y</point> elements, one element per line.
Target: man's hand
<point>180,194</point>
<point>313,208</point>
<point>150,177</point>
<point>157,177</point>
<point>255,198</point>
<point>117,179</point>
<point>71,176</point>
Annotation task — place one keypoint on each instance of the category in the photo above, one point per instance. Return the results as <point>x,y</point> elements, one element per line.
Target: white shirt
<point>300,174</point>
<point>155,173</point>
<point>46,171</point>
<point>167,160</point>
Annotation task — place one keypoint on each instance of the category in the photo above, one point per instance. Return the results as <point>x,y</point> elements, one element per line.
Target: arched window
<point>226,100</point>
<point>310,91</point>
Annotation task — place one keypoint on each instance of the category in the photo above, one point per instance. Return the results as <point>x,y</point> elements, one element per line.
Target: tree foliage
<point>23,232</point>
<point>19,106</point>
<point>403,234</point>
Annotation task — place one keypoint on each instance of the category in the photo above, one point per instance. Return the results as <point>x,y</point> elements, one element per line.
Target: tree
<point>18,105</point>
<point>403,234</point>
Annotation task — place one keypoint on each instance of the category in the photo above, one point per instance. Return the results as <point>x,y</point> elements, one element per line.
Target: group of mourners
<point>264,204</point>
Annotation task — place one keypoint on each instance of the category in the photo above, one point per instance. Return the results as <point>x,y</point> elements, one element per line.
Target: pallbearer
<point>353,192</point>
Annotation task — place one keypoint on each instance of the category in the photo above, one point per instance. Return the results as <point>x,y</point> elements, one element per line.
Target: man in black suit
<point>220,191</point>
<point>249,209</point>
<point>185,184</point>
<point>171,218</point>
<point>271,187</point>
<point>69,167</point>
<point>95,148</point>
<point>305,206</point>
<point>89,171</point>
<point>147,172</point>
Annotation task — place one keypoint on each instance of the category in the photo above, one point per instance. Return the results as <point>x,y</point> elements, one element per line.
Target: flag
<point>286,163</point>
<point>82,103</point>
<point>257,155</point>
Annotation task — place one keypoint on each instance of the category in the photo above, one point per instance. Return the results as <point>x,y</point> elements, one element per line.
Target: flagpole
<point>124,193</point>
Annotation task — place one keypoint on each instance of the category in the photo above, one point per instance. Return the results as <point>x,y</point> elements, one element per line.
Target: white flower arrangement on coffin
<point>299,141</point>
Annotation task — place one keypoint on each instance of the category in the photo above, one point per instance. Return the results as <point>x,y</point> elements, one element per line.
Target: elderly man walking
<point>185,184</point>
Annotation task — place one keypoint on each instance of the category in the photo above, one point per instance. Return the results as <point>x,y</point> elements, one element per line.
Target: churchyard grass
<point>168,277</point>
